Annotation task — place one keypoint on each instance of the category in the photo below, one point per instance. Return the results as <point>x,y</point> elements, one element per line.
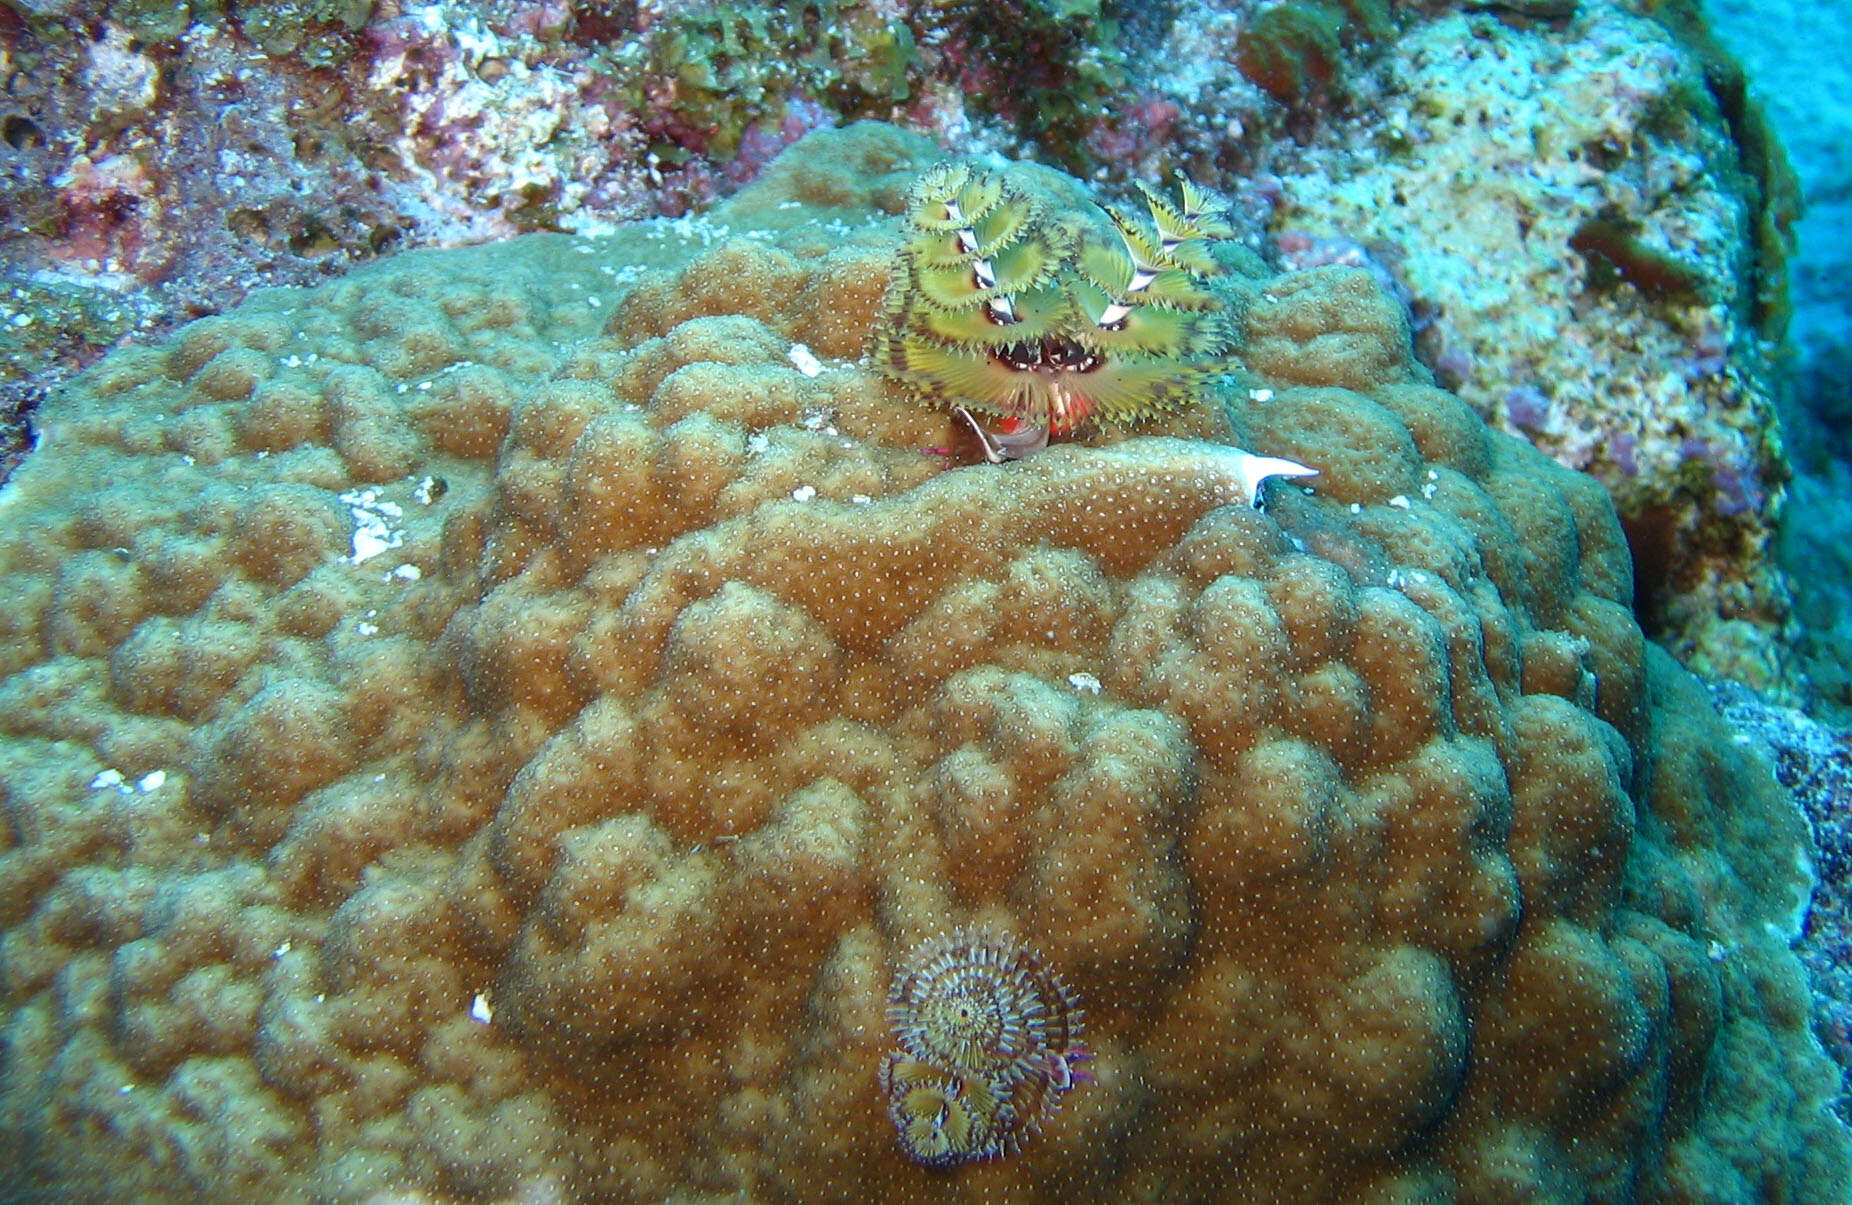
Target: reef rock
<point>494,723</point>
<point>1593,225</point>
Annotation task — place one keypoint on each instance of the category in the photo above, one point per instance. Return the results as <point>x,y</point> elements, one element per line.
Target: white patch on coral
<point>117,781</point>
<point>375,524</point>
<point>1255,470</point>
<point>806,361</point>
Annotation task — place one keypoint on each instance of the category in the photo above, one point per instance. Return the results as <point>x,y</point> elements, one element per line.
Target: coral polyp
<point>990,1040</point>
<point>1048,322</point>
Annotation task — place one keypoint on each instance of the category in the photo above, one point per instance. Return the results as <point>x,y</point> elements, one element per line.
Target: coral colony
<point>473,731</point>
<point>1623,269</point>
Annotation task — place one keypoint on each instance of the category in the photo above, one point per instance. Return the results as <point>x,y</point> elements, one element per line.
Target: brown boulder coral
<point>495,724</point>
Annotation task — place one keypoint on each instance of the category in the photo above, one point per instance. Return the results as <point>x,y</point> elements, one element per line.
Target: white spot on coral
<point>1086,684</point>
<point>1254,471</point>
<point>407,572</point>
<point>283,949</point>
<point>806,362</point>
<point>1400,502</point>
<point>803,493</point>
<point>1261,395</point>
<point>154,780</point>
<point>366,629</point>
<point>107,779</point>
<point>374,519</point>
<point>860,499</point>
<point>480,1010</point>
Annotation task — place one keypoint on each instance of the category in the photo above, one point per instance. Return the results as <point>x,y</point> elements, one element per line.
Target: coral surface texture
<point>493,725</point>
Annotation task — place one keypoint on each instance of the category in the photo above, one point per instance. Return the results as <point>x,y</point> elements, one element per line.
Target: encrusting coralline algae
<point>571,842</point>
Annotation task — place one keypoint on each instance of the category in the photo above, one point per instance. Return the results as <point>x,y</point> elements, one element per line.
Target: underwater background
<point>519,679</point>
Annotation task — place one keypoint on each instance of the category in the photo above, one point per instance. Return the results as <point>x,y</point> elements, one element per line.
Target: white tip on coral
<point>1255,470</point>
<point>1231,475</point>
